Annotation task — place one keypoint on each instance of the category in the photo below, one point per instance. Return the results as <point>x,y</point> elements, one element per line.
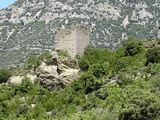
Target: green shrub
<point>45,55</point>
<point>89,50</point>
<point>87,83</point>
<point>158,41</point>
<point>63,53</point>
<point>152,56</point>
<point>26,85</point>
<point>132,47</point>
<point>97,69</point>
<point>31,63</point>
<point>83,64</point>
<point>102,93</point>
<point>121,64</point>
<point>4,75</point>
<point>141,105</point>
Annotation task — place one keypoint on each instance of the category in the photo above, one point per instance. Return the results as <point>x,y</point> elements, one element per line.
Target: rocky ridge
<point>28,27</point>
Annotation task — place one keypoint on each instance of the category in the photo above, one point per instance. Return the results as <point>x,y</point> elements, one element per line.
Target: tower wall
<point>82,39</point>
<point>72,40</point>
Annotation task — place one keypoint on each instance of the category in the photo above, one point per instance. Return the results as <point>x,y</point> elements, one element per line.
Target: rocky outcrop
<point>57,71</point>
<point>53,72</point>
<point>18,79</point>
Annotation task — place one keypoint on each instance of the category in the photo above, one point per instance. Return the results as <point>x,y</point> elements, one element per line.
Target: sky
<point>5,3</point>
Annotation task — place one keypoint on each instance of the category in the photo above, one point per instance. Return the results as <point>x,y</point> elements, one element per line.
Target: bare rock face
<point>18,79</point>
<point>57,71</point>
<point>53,72</point>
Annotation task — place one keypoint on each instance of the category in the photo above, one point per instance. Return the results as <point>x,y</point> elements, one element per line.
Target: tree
<point>89,50</point>
<point>26,85</point>
<point>131,47</point>
<point>87,83</point>
<point>152,56</point>
<point>142,105</point>
<point>83,64</point>
<point>4,75</point>
<point>97,69</point>
<point>121,64</point>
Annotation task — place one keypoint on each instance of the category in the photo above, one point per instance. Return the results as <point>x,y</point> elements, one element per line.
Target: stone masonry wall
<point>72,40</point>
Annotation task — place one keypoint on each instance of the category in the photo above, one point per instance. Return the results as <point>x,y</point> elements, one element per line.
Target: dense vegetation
<point>123,84</point>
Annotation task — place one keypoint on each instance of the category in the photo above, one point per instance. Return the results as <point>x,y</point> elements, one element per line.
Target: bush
<point>83,64</point>
<point>89,50</point>
<point>45,55</point>
<point>142,105</point>
<point>63,53</point>
<point>26,85</point>
<point>31,63</point>
<point>152,56</point>
<point>87,83</point>
<point>97,70</point>
<point>122,64</point>
<point>4,75</point>
<point>132,47</point>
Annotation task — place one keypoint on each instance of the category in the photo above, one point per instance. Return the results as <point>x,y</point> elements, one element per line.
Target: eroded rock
<point>18,79</point>
<point>57,72</point>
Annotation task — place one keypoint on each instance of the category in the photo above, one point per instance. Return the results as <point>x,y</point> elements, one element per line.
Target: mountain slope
<point>112,85</point>
<point>28,26</point>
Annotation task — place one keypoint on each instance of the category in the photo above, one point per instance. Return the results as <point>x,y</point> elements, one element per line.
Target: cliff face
<point>28,26</point>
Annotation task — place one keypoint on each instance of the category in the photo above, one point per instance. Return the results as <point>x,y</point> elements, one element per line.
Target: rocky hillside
<point>28,26</point>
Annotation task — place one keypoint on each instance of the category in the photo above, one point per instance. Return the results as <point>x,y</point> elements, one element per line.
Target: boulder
<point>18,79</point>
<point>57,71</point>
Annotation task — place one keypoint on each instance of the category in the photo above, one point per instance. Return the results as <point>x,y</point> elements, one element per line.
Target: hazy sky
<point>5,3</point>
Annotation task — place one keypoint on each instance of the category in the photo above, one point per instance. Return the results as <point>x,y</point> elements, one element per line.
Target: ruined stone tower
<point>72,40</point>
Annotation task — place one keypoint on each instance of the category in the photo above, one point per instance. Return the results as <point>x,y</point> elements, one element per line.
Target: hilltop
<point>28,27</point>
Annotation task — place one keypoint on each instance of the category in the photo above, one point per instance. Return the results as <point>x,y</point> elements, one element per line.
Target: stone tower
<point>72,40</point>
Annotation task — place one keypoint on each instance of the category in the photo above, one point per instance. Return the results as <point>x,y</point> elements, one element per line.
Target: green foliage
<point>4,75</point>
<point>63,53</point>
<point>89,50</point>
<point>26,85</point>
<point>44,56</point>
<point>86,83</point>
<point>102,93</point>
<point>31,63</point>
<point>132,47</point>
<point>153,55</point>
<point>112,85</point>
<point>158,41</point>
<point>120,52</point>
<point>97,70</point>
<point>141,105</point>
<point>97,58</point>
<point>122,64</point>
<point>83,64</point>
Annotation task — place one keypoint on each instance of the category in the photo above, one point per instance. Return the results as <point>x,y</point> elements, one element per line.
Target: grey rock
<point>28,28</point>
<point>59,72</point>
